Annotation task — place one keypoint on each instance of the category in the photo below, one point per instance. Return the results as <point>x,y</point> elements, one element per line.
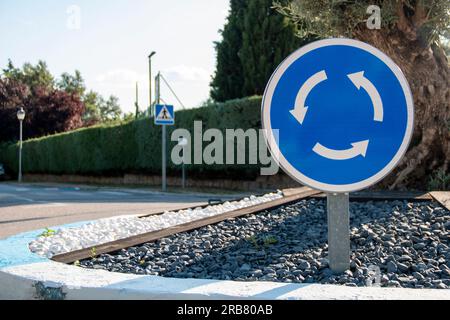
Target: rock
<point>327,272</point>
<point>261,254</point>
<point>391,267</point>
<point>160,263</point>
<point>300,278</point>
<point>383,233</point>
<point>445,273</point>
<point>207,244</point>
<point>384,279</point>
<point>99,267</point>
<point>245,267</point>
<point>268,270</point>
<point>402,267</point>
<point>419,266</point>
<point>297,272</point>
<point>303,264</point>
<point>419,246</point>
<point>348,273</point>
<point>418,276</point>
<point>393,283</point>
<point>324,262</point>
<point>405,258</point>
<point>257,273</point>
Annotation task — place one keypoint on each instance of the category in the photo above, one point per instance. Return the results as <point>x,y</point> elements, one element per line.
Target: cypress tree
<point>228,79</point>
<point>256,38</point>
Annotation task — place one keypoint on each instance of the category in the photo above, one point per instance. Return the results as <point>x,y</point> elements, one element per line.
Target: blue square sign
<point>164,114</point>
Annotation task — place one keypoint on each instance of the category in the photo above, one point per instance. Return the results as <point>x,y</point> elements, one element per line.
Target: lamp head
<point>21,114</point>
<point>152,54</point>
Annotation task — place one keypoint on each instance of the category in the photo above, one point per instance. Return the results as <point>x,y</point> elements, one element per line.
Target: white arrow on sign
<point>358,148</point>
<point>299,111</point>
<point>359,80</point>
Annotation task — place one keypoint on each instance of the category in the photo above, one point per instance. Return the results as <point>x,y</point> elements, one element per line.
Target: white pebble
<point>111,229</point>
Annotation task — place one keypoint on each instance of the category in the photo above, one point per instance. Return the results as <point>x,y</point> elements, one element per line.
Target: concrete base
<point>51,280</point>
<point>24,275</point>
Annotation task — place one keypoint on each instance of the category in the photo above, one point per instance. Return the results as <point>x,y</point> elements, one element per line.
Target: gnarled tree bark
<point>427,70</point>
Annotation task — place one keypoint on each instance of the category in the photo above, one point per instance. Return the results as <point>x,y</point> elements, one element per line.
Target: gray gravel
<point>394,244</point>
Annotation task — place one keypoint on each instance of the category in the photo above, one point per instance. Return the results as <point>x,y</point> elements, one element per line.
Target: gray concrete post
<point>338,231</point>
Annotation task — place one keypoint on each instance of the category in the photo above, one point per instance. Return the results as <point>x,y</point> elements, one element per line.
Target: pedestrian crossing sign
<point>164,114</point>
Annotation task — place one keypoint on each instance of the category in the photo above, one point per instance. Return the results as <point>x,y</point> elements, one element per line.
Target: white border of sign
<point>271,141</point>
<point>164,122</point>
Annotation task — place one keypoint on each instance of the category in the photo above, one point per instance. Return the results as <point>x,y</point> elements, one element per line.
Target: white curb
<point>24,275</point>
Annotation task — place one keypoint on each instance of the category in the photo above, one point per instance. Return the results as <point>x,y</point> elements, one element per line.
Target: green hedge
<point>133,147</point>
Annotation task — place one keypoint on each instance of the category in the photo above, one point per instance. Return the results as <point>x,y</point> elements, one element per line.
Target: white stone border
<point>33,277</point>
<point>78,283</point>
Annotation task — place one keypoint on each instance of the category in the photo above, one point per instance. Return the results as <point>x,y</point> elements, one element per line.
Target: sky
<point>109,41</point>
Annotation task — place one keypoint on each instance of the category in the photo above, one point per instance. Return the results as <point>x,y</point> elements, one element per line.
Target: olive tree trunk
<point>427,70</point>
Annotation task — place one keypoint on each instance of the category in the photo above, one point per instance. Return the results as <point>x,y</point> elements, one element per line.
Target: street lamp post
<point>150,81</point>
<point>20,116</point>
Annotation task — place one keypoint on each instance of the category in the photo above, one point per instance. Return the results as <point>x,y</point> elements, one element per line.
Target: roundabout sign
<point>338,115</point>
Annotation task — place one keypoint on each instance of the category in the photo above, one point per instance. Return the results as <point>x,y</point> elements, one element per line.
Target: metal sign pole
<point>338,231</point>
<point>164,182</point>
<point>163,139</point>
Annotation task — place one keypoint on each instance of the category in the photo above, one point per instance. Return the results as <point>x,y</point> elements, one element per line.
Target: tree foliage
<point>51,105</point>
<point>255,40</point>
<point>110,109</point>
<point>229,79</point>
<point>34,77</point>
<point>47,110</point>
<point>72,83</point>
<point>91,115</point>
<point>429,19</point>
<point>413,33</point>
<point>129,146</point>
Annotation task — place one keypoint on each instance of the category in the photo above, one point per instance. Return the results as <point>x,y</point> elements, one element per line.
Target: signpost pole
<point>338,231</point>
<point>163,128</point>
<point>164,182</point>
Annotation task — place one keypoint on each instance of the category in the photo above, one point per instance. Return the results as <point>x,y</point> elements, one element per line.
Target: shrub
<point>132,147</point>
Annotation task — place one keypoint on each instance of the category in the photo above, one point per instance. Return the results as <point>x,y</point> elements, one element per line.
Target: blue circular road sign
<point>338,115</point>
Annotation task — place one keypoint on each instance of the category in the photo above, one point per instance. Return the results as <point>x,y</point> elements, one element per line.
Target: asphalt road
<point>25,207</point>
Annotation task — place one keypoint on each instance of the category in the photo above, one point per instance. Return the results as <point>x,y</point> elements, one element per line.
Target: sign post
<point>164,116</point>
<point>338,117</point>
<point>338,215</point>
<point>163,159</point>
